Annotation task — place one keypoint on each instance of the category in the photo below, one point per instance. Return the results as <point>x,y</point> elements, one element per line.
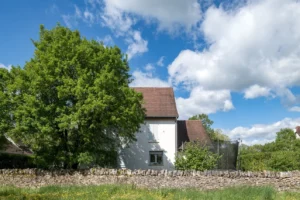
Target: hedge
<point>275,161</point>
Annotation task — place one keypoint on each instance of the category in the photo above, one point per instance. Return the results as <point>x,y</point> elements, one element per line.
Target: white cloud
<point>93,3</point>
<point>8,67</point>
<point>117,21</point>
<point>107,40</point>
<point>137,45</point>
<point>256,44</point>
<point>77,12</point>
<point>255,91</point>
<point>295,109</point>
<point>204,101</point>
<point>122,25</point>
<point>88,17</point>
<point>72,20</point>
<point>69,21</point>
<point>160,62</point>
<point>170,14</point>
<point>261,133</point>
<point>146,80</point>
<point>149,67</point>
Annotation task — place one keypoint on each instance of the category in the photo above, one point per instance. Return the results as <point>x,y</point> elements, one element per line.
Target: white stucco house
<point>161,135</point>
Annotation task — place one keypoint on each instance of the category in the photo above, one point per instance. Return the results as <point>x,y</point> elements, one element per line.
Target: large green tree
<point>72,102</point>
<point>5,105</point>
<point>215,134</point>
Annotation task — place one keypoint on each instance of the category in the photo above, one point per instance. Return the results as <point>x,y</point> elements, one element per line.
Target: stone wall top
<point>149,172</point>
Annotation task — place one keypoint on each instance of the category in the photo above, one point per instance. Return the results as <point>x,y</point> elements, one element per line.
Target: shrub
<point>275,161</point>
<point>195,156</point>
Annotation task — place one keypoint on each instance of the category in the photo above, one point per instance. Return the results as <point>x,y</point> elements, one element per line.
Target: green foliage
<point>214,134</point>
<point>281,155</point>
<point>5,103</point>
<point>71,101</point>
<point>195,156</point>
<point>218,135</point>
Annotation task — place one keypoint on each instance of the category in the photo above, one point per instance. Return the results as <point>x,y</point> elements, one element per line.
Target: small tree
<point>196,156</point>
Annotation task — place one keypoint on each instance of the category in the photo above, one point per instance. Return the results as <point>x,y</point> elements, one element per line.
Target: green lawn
<point>131,192</point>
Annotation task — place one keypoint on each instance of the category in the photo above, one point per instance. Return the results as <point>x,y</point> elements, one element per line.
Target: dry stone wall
<point>150,178</point>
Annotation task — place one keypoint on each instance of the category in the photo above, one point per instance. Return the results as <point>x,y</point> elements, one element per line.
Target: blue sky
<point>238,61</point>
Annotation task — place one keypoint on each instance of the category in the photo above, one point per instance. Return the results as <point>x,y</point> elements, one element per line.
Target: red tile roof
<point>297,129</point>
<point>191,130</point>
<point>158,102</point>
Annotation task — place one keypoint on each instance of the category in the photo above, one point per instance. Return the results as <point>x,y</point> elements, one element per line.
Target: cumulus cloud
<point>136,45</point>
<point>254,49</point>
<point>8,67</point>
<point>204,101</point>
<point>169,14</point>
<point>116,20</point>
<point>146,80</point>
<point>149,67</point>
<point>295,109</point>
<point>122,25</point>
<point>160,62</point>
<point>255,91</point>
<point>261,133</point>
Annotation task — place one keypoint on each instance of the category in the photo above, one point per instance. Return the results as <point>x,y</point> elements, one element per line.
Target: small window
<point>156,157</point>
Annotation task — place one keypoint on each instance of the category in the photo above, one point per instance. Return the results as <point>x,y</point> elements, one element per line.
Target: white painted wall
<point>297,136</point>
<point>154,135</point>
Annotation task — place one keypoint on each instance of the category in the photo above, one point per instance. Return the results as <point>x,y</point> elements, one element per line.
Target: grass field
<point>130,192</point>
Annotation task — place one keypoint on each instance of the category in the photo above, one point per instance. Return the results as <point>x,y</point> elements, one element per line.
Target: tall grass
<point>130,192</point>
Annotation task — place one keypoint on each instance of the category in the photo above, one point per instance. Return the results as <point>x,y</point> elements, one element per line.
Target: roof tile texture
<point>158,102</point>
<point>191,130</point>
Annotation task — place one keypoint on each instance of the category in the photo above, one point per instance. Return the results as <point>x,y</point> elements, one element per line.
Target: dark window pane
<point>152,158</point>
<point>159,158</point>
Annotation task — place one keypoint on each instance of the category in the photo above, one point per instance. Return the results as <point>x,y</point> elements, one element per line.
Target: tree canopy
<point>5,104</point>
<point>72,102</point>
<point>215,134</point>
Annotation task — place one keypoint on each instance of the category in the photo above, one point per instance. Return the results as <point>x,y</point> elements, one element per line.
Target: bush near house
<point>196,156</point>
<point>281,155</point>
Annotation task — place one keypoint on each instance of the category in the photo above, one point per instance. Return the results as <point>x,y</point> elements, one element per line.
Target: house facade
<point>297,132</point>
<point>161,135</point>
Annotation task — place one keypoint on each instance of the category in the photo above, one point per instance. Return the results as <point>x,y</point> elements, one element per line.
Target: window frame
<point>156,153</point>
